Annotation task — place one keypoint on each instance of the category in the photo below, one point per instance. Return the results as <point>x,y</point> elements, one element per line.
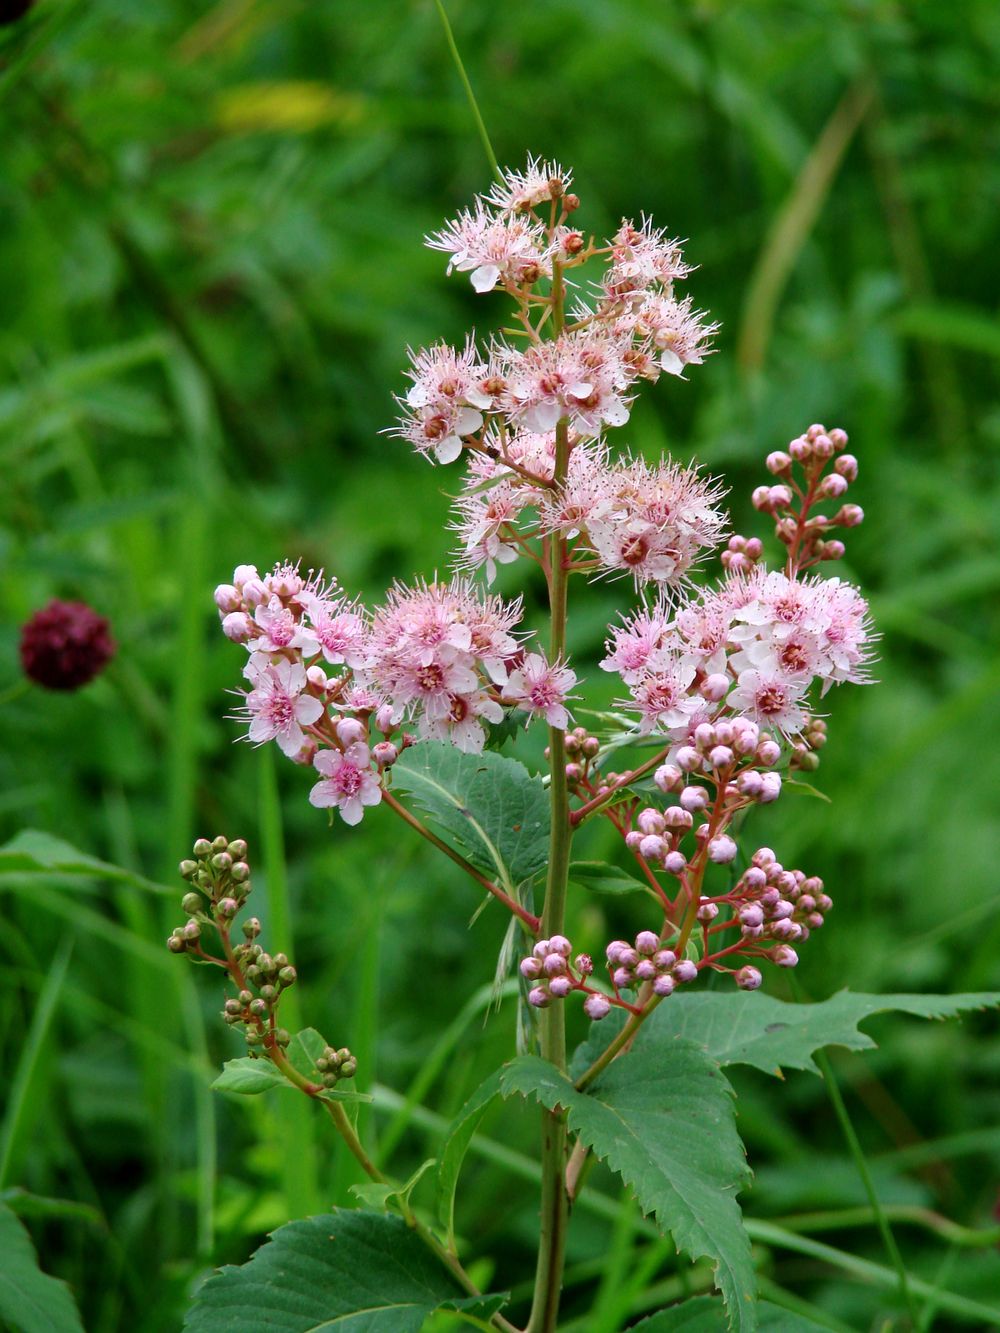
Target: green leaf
<point>704,1314</point>
<point>33,852</point>
<point>459,1136</point>
<point>756,1029</point>
<point>30,1300</point>
<point>667,1126</point>
<point>248,1077</point>
<point>488,804</point>
<point>599,877</point>
<point>359,1271</point>
<point>376,1196</point>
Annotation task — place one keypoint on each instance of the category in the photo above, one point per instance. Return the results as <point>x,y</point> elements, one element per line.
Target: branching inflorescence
<point>722,678</point>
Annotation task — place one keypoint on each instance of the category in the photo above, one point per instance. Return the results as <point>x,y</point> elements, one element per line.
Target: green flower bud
<point>233,1007</point>
<point>240,872</point>
<point>349,1067</point>
<point>280,960</point>
<point>237,849</point>
<point>287,976</point>
<point>343,1054</point>
<point>245,997</point>
<point>253,972</point>
<point>202,848</point>
<point>192,902</point>
<point>222,861</point>
<point>220,843</point>
<point>269,994</point>
<point>176,944</point>
<point>192,931</point>
<point>187,869</point>
<point>253,1037</point>
<point>266,963</point>
<point>322,1064</point>
<point>227,908</point>
<point>329,1080</point>
<point>258,1007</point>
<point>282,1036</point>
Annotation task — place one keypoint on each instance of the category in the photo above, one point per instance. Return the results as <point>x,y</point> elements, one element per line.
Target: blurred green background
<point>211,218</point>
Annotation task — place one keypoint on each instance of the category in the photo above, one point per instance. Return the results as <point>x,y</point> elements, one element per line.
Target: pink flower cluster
<point>439,656</point>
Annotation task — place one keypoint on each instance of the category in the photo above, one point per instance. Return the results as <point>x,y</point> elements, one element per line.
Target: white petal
<point>671,362</point>
<point>448,449</point>
<point>484,278</point>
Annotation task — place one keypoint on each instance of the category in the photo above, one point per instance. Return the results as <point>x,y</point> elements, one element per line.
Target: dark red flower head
<point>65,644</point>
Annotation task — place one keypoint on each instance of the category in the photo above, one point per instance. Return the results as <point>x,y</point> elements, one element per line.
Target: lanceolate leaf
<point>704,1314</point>
<point>666,1125</point>
<point>33,852</point>
<point>755,1029</point>
<point>30,1300</point>
<point>463,1127</point>
<point>489,806</point>
<point>356,1272</point>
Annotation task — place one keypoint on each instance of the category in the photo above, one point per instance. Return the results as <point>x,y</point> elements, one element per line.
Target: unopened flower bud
<point>763,857</point>
<point>584,964</point>
<point>685,970</point>
<point>192,902</point>
<point>714,687</point>
<point>675,863</point>
<point>632,840</point>
<point>770,787</point>
<point>622,977</point>
<point>561,945</point>
<point>596,1007</point>
<point>748,978</point>
<point>251,928</point>
<point>650,821</point>
<point>349,731</point>
<point>849,516</point>
<point>268,993</point>
<point>778,462</point>
<point>688,759</point>
<point>704,735</point>
<point>530,968</point>
<point>202,848</point>
<point>553,964</point>
<point>539,997</point>
<point>240,872</point>
<point>677,819</point>
<point>720,756</point>
<point>750,783</point>
<point>647,942</point>
<point>664,959</point>
<point>668,777</point>
<point>227,908</point>
<point>560,987</point>
<point>591,747</point>
<point>760,498</point>
<point>176,944</point>
<point>768,753</point>
<point>707,912</point>
<point>834,550</point>
<point>287,975</point>
<point>237,627</point>
<point>785,956</point>
<point>191,932</point>
<point>693,799</point>
<point>847,467</point>
<point>653,847</point>
<point>751,915</point>
<point>722,849</point>
<point>833,486</point>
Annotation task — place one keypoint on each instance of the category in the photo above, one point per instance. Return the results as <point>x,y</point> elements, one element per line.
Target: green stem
<point>449,37</point>
<point>857,1152</point>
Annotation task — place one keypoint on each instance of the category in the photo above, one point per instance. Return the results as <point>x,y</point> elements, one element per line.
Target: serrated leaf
<point>376,1196</point>
<point>30,1300</point>
<point>33,852</point>
<point>598,877</point>
<point>667,1127</point>
<point>453,1151</point>
<point>769,1034</point>
<point>358,1271</point>
<point>706,1314</point>
<point>489,805</point>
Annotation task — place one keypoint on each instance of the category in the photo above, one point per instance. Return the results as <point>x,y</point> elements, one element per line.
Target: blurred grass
<point>210,266</point>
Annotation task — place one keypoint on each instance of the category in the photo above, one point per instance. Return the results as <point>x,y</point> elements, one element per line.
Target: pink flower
<point>772,698</point>
<point>678,333</point>
<point>460,725</point>
<point>663,695</point>
<point>280,629</point>
<point>643,257</point>
<point>541,688</point>
<point>577,375</point>
<point>539,183</point>
<point>509,248</point>
<point>633,643</point>
<point>277,707</point>
<point>339,630</point>
<point>348,782</point>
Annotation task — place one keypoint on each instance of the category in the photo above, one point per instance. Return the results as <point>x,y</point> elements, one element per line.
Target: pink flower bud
<point>685,970</point>
<point>385,754</point>
<point>749,783</point>
<point>584,964</point>
<point>833,486</point>
<point>850,516</point>
<point>227,598</point>
<point>254,593</point>
<point>751,915</point>
<point>243,574</point>
<point>668,777</point>
<point>553,964</point>
<point>561,945</point>
<point>596,1007</point>
<point>763,857</point>
<point>814,920</point>
<point>317,678</point>
<point>574,772</point>
<point>675,863</point>
<point>644,970</point>
<point>349,731</point>
<point>778,462</point>
<point>779,497</point>
<point>707,912</point>
<point>754,878</point>
<point>838,438</point>
<point>823,446</point>
<point>770,787</point>
<point>754,548</point>
<point>834,550</point>
<point>541,949</point>
<point>748,978</point>
<point>650,821</point>
<point>622,977</point>
<point>560,987</point>
<point>664,985</point>
<point>664,959</point>
<point>785,956</point>
<point>704,735</point>
<point>760,497</point>
<point>714,687</point>
<point>677,819</point>
<point>694,799</point>
<point>782,909</point>
<point>647,942</point>
<point>688,758</point>
<point>653,847</point>
<point>768,753</point>
<point>614,949</point>
<point>720,756</point>
<point>530,968</point>
<point>539,997</point>
<point>722,850</point>
<point>800,449</point>
<point>384,720</point>
<point>770,895</point>
<point>847,467</point>
<point>237,626</point>
<point>633,839</point>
